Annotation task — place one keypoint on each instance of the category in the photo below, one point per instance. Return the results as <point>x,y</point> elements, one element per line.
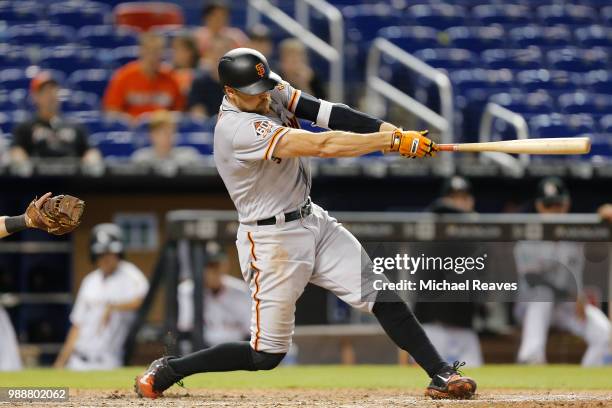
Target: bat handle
<point>450,147</point>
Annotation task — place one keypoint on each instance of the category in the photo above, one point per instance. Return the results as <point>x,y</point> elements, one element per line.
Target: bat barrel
<point>566,145</point>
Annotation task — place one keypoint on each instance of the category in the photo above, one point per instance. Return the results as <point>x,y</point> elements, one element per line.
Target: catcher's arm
<point>10,225</point>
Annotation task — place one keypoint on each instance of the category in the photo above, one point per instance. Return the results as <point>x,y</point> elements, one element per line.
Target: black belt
<point>301,212</point>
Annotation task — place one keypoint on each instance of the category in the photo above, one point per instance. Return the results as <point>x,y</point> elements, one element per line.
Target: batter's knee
<point>266,361</point>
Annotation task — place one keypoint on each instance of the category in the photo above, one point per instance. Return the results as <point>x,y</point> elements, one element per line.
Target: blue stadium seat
<point>73,101</point>
<point>41,35</point>
<point>9,119</point>
<point>523,37</point>
<point>122,55</point>
<point>577,60</point>
<point>593,3</point>
<point>601,145</point>
<point>13,57</point>
<point>79,13</point>
<point>554,82</point>
<point>439,16</point>
<point>202,141</point>
<point>97,122</point>
<point>114,144</point>
<point>188,124</point>
<point>525,104</point>
<point>467,79</point>
<point>558,125</point>
<point>14,78</point>
<point>599,81</point>
<point>20,12</point>
<point>7,103</point>
<point>594,36</point>
<point>364,21</point>
<point>476,39</point>
<point>473,88</point>
<point>606,15</point>
<point>411,38</point>
<point>90,80</point>
<point>570,14</point>
<point>586,102</point>
<point>515,59</point>
<point>69,58</point>
<point>504,14</point>
<point>107,36</point>
<point>448,58</point>
<point>605,124</point>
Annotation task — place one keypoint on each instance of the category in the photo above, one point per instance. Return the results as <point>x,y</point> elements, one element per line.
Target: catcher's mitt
<point>57,215</point>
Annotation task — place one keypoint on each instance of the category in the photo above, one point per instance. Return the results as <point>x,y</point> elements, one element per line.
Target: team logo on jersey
<point>261,69</point>
<point>263,128</point>
<point>280,86</point>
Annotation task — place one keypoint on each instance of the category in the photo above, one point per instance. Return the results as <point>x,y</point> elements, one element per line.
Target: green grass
<point>564,377</point>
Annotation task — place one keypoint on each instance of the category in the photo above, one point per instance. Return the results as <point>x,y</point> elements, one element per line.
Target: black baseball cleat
<point>449,383</point>
<point>156,379</point>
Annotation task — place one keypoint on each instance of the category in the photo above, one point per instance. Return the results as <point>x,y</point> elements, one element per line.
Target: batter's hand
<point>412,144</point>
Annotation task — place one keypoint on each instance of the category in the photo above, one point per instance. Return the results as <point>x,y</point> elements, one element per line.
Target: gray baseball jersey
<point>278,261</point>
<point>261,185</point>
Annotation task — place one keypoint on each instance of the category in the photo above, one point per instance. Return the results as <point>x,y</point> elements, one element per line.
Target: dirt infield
<point>345,398</point>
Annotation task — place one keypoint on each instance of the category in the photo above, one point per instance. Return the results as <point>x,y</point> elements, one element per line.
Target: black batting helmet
<point>247,70</point>
<point>106,238</point>
<point>552,191</point>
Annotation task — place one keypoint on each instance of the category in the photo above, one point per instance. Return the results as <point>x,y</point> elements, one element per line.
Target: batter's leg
<point>338,266</point>
<point>277,264</point>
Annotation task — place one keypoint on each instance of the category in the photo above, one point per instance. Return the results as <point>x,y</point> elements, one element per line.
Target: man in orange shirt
<point>144,85</point>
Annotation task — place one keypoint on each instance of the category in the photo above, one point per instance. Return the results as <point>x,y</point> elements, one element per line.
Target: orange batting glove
<point>412,144</point>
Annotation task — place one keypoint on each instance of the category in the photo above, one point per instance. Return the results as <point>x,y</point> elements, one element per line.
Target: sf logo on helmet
<point>261,69</point>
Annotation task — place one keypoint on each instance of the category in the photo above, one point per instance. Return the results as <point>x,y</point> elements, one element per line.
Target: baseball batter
<point>284,240</point>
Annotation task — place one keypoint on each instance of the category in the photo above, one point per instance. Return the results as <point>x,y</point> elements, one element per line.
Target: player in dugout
<point>551,288</point>
<point>226,302</point>
<point>284,240</point>
<point>103,310</point>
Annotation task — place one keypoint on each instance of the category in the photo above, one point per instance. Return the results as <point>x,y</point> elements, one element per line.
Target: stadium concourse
<point>115,102</point>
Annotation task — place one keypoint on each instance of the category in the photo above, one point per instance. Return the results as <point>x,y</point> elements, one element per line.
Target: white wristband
<point>324,114</point>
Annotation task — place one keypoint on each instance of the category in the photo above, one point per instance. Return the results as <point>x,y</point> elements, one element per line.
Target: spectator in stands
<point>226,302</point>
<point>295,68</point>
<point>215,25</point>
<point>145,85</point>
<point>47,134</point>
<point>163,150</point>
<point>104,307</point>
<point>260,40</point>
<point>206,91</point>
<point>185,59</point>
<point>449,325</point>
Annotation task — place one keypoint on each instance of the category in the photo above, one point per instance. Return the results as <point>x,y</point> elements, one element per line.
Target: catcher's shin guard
<point>156,379</point>
<point>450,384</point>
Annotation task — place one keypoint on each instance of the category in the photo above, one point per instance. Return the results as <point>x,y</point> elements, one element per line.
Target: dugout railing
<point>188,231</point>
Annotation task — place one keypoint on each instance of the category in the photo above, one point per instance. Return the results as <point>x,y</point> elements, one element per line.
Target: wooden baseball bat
<point>561,145</point>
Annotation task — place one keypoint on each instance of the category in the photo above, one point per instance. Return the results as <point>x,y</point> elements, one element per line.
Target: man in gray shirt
<point>284,240</point>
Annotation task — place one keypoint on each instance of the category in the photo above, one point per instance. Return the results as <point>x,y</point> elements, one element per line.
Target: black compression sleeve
<point>342,117</point>
<point>15,224</point>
